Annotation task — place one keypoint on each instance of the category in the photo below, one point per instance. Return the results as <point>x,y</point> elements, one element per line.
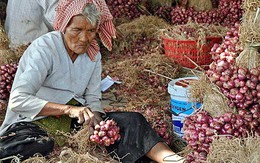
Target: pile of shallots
<point>7,73</point>
<point>200,128</point>
<point>106,133</point>
<point>124,8</point>
<point>241,86</point>
<point>227,14</point>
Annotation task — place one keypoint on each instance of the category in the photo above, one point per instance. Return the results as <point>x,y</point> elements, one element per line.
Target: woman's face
<point>79,34</point>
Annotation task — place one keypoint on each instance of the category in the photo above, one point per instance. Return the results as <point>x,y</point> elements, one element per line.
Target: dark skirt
<point>137,137</point>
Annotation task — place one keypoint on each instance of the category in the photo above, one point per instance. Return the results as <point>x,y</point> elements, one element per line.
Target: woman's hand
<point>83,114</point>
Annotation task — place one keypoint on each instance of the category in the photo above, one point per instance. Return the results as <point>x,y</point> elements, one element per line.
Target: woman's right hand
<point>83,114</point>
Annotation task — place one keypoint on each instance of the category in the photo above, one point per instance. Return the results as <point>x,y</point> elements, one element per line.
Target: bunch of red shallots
<point>105,133</point>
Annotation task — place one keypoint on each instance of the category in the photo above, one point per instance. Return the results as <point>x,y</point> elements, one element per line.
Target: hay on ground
<point>79,149</point>
<point>146,75</point>
<point>236,150</point>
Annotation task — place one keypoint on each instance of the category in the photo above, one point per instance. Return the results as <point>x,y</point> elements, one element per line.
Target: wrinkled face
<point>79,34</point>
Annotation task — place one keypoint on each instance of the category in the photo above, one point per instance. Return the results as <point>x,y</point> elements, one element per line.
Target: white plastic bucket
<point>180,104</point>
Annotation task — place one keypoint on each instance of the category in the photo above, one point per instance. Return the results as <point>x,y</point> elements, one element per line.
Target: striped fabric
<point>66,9</point>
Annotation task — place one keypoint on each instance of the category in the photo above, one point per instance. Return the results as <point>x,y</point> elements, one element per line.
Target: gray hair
<point>91,13</point>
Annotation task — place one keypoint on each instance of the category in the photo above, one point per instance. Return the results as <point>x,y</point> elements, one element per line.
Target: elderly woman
<point>56,77</point>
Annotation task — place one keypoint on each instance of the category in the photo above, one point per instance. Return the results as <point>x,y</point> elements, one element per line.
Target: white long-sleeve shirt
<point>26,20</point>
<point>47,74</point>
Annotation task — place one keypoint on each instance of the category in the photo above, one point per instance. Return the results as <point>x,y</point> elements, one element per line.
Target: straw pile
<point>4,41</point>
<point>249,35</point>
<point>144,26</point>
<point>235,150</point>
<point>214,101</point>
<point>249,57</point>
<point>3,106</point>
<point>160,2</point>
<point>194,31</point>
<point>200,5</point>
<point>249,31</point>
<point>79,149</point>
<point>8,55</point>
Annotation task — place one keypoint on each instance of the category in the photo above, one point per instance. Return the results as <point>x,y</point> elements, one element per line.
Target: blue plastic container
<point>180,104</point>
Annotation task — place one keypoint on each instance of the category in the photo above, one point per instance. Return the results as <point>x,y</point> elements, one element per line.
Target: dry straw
<point>249,30</point>
<point>8,55</point>
<point>249,35</point>
<point>79,149</point>
<point>161,2</point>
<point>19,50</point>
<point>3,105</point>
<point>148,26</point>
<point>84,150</point>
<point>236,150</point>
<point>4,41</point>
<point>194,31</point>
<point>249,57</point>
<point>214,101</point>
<point>200,5</point>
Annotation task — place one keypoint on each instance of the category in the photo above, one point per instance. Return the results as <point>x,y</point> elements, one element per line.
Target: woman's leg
<point>138,139</point>
<point>162,153</point>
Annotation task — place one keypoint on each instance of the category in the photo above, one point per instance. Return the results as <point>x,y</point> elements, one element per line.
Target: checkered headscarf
<point>66,9</point>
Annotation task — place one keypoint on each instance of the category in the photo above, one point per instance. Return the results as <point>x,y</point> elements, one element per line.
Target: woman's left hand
<point>97,118</point>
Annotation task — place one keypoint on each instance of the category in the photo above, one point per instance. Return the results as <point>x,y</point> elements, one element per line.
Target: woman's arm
<point>83,114</point>
<point>32,71</point>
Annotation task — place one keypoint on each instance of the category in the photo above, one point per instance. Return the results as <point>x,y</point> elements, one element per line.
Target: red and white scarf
<point>66,9</point>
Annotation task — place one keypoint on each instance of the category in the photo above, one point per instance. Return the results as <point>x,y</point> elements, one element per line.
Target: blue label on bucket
<point>184,106</point>
<point>183,109</point>
<point>177,127</point>
<point>177,122</point>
